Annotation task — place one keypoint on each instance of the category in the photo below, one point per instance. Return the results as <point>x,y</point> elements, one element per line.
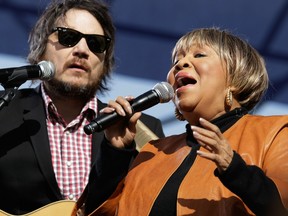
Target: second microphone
<point>161,93</point>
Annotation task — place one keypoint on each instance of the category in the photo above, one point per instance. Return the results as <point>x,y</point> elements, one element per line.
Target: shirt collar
<point>88,111</point>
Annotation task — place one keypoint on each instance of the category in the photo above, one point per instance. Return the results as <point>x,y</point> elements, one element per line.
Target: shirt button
<point>68,163</point>
<point>71,197</point>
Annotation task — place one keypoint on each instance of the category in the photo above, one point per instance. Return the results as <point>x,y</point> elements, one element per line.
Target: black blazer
<point>27,180</point>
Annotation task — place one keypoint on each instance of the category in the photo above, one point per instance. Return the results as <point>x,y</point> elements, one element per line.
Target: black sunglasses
<point>70,37</point>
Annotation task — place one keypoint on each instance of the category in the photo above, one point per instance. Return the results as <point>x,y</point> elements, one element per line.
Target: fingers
<point>135,117</point>
<point>123,108</point>
<point>121,105</point>
<point>211,127</point>
<point>121,133</point>
<point>210,137</point>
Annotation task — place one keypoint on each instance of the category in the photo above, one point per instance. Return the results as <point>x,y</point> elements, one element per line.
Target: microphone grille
<point>165,91</point>
<point>47,69</point>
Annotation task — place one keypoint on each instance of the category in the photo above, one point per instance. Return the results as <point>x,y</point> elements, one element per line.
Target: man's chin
<point>72,90</point>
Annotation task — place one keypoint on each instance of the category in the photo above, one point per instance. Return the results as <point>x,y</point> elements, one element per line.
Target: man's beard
<point>57,87</point>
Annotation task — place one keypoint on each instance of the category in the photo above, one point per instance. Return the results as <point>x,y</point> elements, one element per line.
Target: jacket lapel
<point>34,112</point>
<point>97,137</point>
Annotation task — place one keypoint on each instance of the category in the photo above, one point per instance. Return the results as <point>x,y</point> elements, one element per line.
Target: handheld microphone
<point>11,77</point>
<point>161,93</point>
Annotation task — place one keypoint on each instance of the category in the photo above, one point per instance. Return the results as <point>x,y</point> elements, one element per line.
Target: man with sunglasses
<point>45,155</point>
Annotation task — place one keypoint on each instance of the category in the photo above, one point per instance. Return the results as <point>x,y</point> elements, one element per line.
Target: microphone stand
<point>7,97</point>
<point>9,94</point>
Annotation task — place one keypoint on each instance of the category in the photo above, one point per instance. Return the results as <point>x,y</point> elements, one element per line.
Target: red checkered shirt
<point>70,147</point>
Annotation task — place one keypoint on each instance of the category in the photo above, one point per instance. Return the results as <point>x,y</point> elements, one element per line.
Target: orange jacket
<point>260,141</point>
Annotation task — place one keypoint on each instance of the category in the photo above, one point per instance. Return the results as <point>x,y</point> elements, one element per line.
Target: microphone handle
<point>102,122</point>
<point>140,103</point>
<point>145,101</point>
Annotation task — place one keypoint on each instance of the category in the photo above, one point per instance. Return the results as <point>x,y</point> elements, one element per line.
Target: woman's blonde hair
<point>245,67</point>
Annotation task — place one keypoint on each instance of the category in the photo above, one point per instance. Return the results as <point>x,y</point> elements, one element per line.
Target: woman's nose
<point>183,63</point>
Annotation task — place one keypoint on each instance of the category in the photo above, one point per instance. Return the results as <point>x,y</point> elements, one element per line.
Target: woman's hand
<point>122,133</point>
<point>211,138</point>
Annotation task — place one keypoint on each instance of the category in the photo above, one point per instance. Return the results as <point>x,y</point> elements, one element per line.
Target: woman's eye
<point>199,55</point>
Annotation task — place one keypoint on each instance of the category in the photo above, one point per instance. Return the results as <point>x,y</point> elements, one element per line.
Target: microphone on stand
<point>161,93</point>
<point>14,77</point>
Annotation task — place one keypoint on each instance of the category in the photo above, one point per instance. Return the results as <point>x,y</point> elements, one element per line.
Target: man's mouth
<point>78,66</point>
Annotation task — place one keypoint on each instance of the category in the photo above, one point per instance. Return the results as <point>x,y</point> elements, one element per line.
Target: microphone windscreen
<point>165,91</point>
<point>47,69</point>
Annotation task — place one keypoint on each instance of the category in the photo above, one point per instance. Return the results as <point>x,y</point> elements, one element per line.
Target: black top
<point>262,202</point>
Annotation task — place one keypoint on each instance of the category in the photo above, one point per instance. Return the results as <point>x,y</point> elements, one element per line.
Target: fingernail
<point>130,110</point>
<point>122,113</point>
<point>195,134</point>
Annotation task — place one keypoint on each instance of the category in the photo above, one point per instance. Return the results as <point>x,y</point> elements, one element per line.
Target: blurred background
<point>146,31</point>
